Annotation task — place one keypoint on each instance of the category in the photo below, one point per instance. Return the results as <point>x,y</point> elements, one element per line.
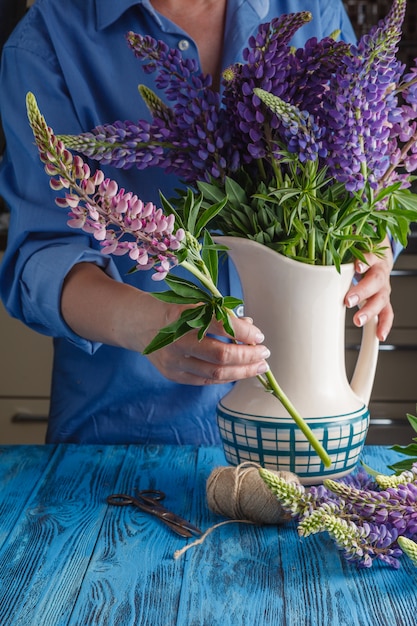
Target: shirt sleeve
<point>41,248</point>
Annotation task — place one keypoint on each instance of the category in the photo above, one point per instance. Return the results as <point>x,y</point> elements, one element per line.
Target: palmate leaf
<point>406,199</point>
<point>199,317</point>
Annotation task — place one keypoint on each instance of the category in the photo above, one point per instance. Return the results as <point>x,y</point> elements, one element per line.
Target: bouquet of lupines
<point>313,148</point>
<point>369,517</point>
<point>155,239</point>
<point>308,151</point>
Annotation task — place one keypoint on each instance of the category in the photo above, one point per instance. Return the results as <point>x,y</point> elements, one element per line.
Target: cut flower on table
<point>369,517</point>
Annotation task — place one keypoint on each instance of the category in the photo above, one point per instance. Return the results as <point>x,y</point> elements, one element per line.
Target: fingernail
<point>260,338</point>
<point>383,337</point>
<point>265,354</point>
<point>352,300</point>
<point>263,367</point>
<point>360,267</point>
<point>362,319</point>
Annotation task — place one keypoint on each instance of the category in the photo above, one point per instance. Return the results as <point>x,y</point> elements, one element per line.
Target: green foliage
<point>200,258</point>
<point>205,307</point>
<point>410,450</point>
<point>306,216</point>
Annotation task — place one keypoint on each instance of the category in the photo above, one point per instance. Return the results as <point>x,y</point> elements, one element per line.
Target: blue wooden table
<point>66,557</point>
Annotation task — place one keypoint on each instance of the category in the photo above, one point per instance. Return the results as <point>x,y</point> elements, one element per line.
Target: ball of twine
<point>240,493</point>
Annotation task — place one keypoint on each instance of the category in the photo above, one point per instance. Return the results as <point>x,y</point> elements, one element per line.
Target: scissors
<point>148,500</point>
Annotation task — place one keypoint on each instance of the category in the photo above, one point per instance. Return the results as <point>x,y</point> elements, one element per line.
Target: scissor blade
<point>172,518</point>
<point>177,523</point>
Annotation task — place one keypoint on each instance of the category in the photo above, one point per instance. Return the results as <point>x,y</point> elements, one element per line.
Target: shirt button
<point>184,44</point>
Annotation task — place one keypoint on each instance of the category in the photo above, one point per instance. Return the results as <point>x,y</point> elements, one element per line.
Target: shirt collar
<point>108,11</point>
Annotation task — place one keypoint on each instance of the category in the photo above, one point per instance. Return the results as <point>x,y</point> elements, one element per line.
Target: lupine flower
<point>368,517</point>
<point>97,206</point>
<point>123,224</point>
<point>314,172</point>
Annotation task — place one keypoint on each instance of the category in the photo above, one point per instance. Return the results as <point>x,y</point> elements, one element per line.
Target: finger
<point>385,322</point>
<point>244,330</point>
<point>209,361</point>
<point>371,259</point>
<point>375,282</point>
<point>199,372</point>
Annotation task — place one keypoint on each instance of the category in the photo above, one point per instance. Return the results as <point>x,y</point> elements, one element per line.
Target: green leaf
<point>205,322</point>
<point>171,332</point>
<point>174,298</point>
<point>236,194</point>
<point>401,466</point>
<point>208,215</point>
<point>210,192</point>
<point>410,450</point>
<point>192,206</point>
<point>209,256</point>
<point>168,209</point>
<point>231,303</point>
<point>406,199</point>
<point>201,314</point>
<point>186,289</point>
<point>223,316</point>
<point>413,421</point>
<point>370,470</point>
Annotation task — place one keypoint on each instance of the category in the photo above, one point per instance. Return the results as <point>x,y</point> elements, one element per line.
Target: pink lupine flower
<point>119,220</point>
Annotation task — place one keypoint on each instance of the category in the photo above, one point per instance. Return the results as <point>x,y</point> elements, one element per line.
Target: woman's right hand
<point>101,309</point>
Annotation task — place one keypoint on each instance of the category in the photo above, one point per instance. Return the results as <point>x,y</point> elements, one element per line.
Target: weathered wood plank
<point>264,576</point>
<point>69,558</point>
<point>233,577</point>
<point>43,561</point>
<point>20,469</point>
<point>132,578</point>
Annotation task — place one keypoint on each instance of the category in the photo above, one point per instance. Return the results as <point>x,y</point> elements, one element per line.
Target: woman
<point>74,57</point>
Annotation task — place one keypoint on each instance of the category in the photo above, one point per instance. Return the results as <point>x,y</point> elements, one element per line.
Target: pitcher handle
<point>364,374</point>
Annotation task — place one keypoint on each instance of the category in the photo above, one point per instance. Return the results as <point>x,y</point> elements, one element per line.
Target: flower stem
<point>203,278</point>
<point>272,385</point>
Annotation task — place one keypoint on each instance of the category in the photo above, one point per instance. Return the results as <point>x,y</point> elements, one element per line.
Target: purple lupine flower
<point>300,133</point>
<point>359,101</point>
<point>266,67</point>
<point>364,519</point>
<point>196,136</point>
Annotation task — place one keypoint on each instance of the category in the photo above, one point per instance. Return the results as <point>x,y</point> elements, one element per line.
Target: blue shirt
<point>72,54</point>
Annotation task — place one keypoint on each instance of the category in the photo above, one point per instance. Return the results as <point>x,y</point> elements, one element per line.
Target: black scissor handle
<point>150,495</point>
<point>120,499</point>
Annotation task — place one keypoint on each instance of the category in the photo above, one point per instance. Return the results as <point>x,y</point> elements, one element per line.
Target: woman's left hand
<point>372,291</point>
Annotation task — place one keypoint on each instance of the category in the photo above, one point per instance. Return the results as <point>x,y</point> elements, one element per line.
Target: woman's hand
<point>372,292</point>
<point>210,361</point>
<point>100,309</point>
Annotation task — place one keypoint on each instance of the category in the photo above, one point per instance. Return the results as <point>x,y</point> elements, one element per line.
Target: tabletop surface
<point>67,557</point>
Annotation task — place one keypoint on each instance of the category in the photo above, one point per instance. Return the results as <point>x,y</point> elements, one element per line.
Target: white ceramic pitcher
<point>300,310</point>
